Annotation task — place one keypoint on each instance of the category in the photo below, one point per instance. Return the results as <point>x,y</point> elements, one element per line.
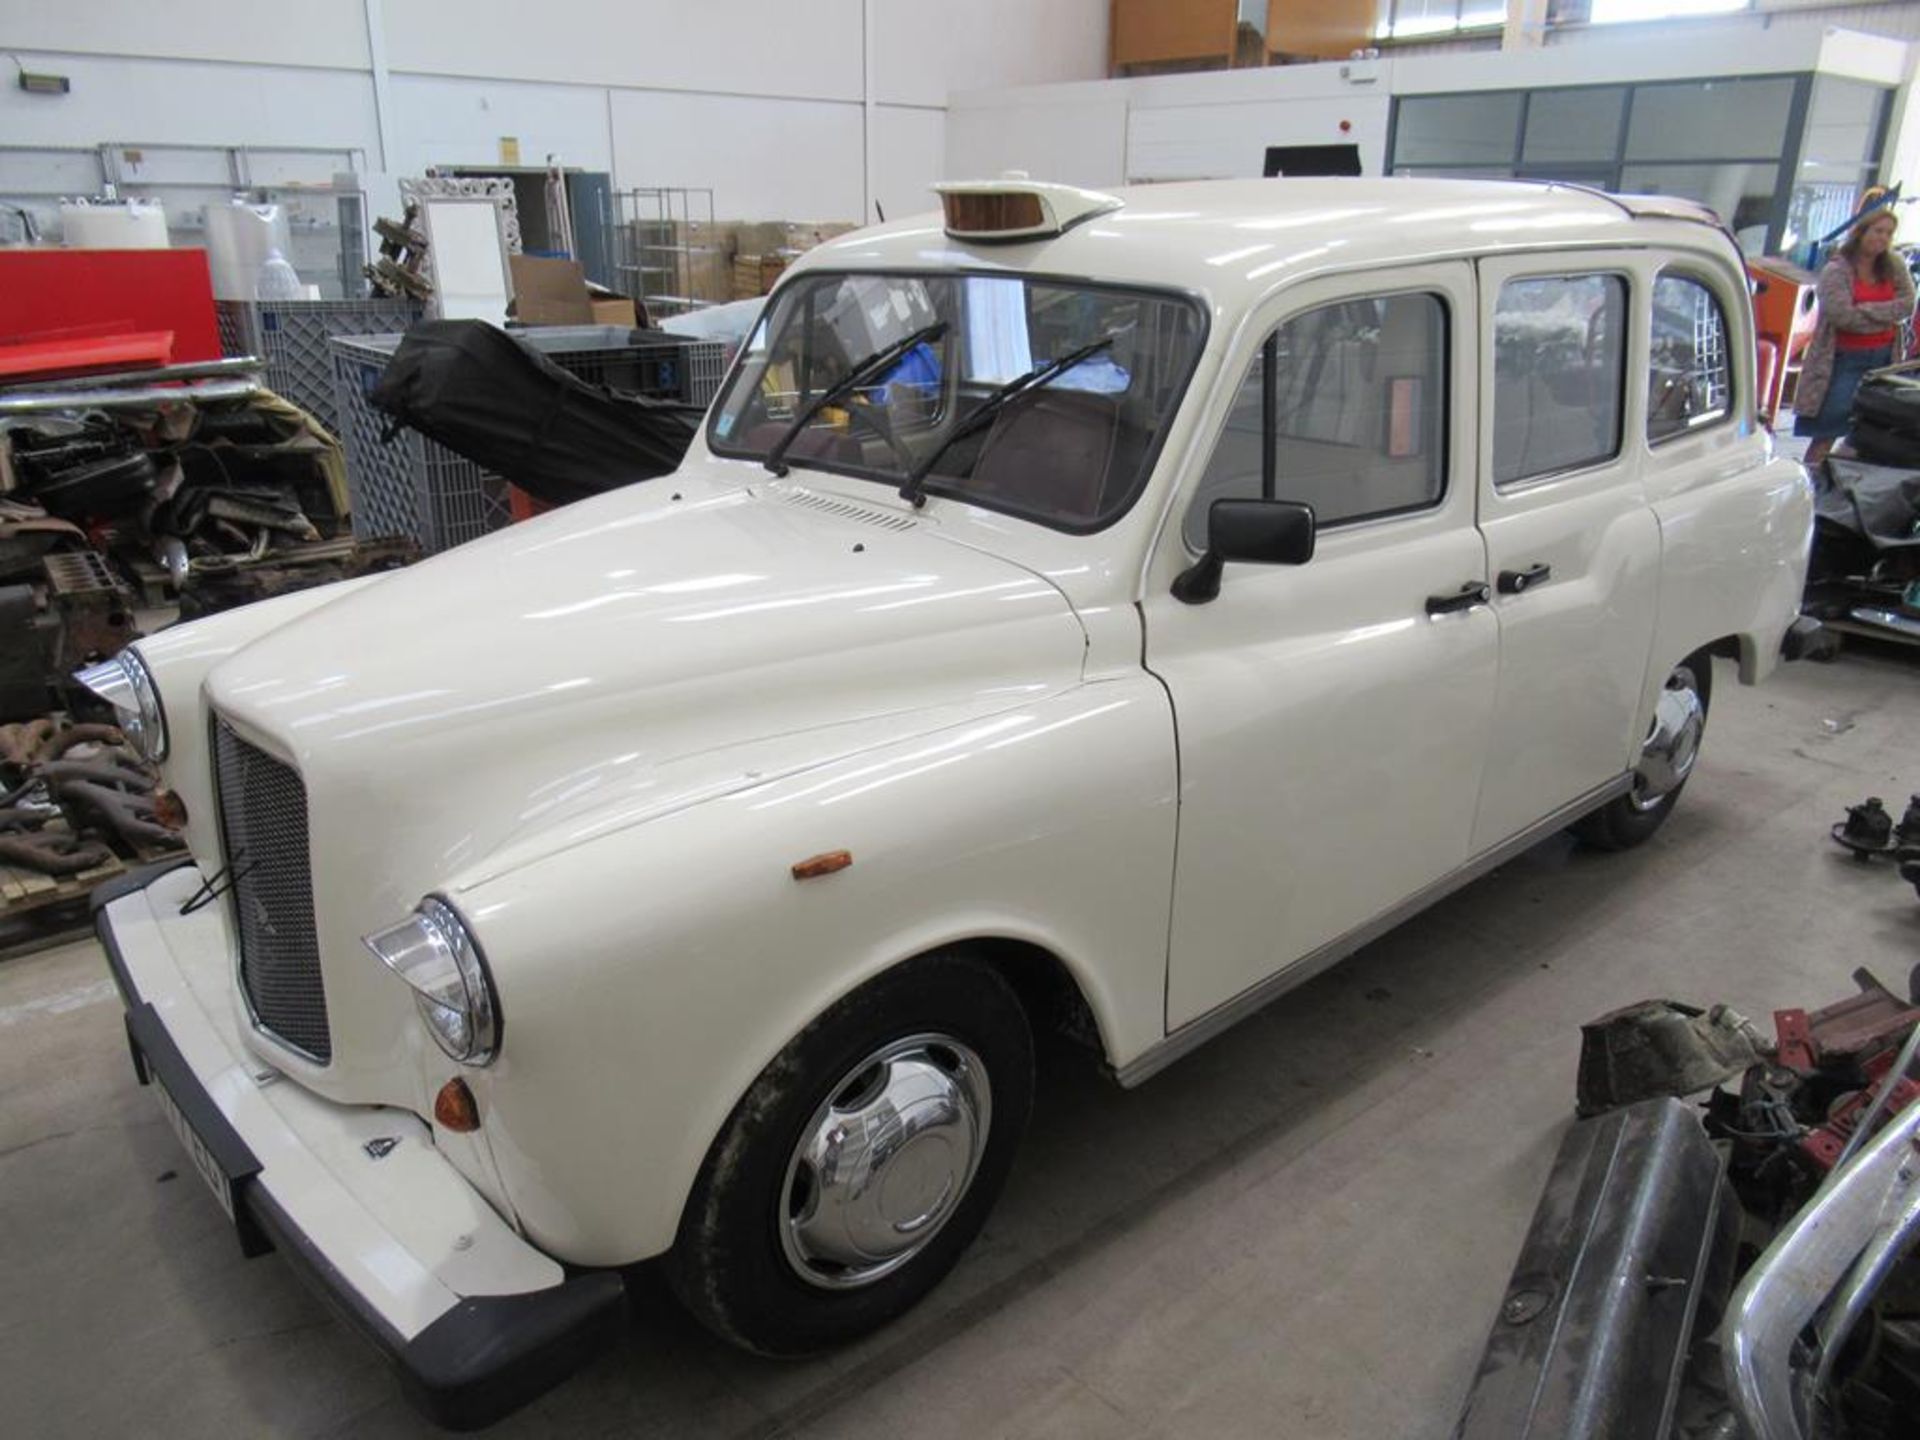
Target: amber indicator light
<point>455,1108</point>
<point>169,809</point>
<point>993,214</point>
<point>819,865</point>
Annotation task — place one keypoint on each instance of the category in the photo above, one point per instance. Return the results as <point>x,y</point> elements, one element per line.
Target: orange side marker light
<point>823,864</point>
<point>455,1108</point>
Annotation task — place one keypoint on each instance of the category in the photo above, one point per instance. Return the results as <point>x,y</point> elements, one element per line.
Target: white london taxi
<point>1098,611</point>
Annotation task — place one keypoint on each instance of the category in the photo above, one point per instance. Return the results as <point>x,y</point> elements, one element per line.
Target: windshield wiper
<point>875,364</point>
<point>997,400</point>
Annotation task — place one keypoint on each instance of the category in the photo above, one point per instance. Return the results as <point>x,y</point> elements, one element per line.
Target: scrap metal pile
<point>189,485</point>
<point>1744,1270</point>
<point>1871,832</point>
<point>74,798</point>
<point>1865,570</point>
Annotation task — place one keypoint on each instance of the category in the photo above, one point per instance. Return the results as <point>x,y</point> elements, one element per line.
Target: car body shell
<point>606,736</point>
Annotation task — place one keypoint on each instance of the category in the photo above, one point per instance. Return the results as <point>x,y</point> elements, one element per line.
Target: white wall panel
<point>926,50</point>
<point>312,33</point>
<point>1220,142</point>
<point>763,159</point>
<point>180,102</point>
<point>753,47</point>
<point>909,155</point>
<point>460,122</point>
<point>1078,138</point>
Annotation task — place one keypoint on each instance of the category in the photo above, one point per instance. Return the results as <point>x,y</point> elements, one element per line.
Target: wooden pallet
<point>23,890</point>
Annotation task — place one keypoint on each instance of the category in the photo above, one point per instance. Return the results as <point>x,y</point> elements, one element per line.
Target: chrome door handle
<point>1514,582</point>
<point>1473,593</point>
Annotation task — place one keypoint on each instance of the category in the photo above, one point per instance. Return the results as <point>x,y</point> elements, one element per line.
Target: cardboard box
<point>549,292</point>
<point>618,310</point>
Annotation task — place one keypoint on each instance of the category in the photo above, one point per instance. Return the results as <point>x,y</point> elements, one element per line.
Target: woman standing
<point>1865,295</point>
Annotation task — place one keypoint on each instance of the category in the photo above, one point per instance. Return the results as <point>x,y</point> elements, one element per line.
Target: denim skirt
<point>1848,368</point>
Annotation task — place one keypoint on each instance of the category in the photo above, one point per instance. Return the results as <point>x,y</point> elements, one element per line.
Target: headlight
<point>125,683</point>
<point>432,951</point>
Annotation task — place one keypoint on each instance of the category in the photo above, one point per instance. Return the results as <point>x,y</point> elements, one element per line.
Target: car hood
<point>633,652</point>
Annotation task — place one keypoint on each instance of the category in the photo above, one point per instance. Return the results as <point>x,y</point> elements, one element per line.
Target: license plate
<point>198,1152</point>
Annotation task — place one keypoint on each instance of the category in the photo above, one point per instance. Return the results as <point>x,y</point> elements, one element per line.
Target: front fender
<point>647,976</point>
<point>179,658</point>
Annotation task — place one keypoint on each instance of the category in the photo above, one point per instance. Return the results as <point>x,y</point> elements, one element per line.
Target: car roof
<point>1225,236</point>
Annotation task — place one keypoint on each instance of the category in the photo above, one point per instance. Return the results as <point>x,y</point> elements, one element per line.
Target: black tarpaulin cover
<point>482,394</point>
<point>1876,502</point>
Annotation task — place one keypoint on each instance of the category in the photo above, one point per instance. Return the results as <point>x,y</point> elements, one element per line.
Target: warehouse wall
<point>764,100</point>
<point>1218,124</point>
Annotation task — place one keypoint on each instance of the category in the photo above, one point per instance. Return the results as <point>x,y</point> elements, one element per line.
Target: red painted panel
<point>133,290</point>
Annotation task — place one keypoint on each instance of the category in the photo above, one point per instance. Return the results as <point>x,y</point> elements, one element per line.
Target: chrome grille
<point>263,827</point>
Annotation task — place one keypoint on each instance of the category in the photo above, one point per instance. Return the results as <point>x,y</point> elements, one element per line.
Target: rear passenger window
<point>1690,383</point>
<point>1355,396</point>
<point>1559,346</point>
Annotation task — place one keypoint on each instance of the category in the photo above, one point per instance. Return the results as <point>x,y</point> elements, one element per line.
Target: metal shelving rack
<point>658,253</point>
<point>186,178</point>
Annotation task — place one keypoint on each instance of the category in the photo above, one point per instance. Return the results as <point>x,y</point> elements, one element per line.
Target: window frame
<point>1628,311</point>
<point>1266,354</point>
<point>1681,270</point>
<point>1606,174</point>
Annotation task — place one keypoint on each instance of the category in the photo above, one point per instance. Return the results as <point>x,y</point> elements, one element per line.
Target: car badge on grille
<point>263,918</point>
<point>380,1146</point>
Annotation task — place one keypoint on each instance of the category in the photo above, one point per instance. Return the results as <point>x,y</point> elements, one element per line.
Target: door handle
<point>1473,593</point>
<point>1513,582</point>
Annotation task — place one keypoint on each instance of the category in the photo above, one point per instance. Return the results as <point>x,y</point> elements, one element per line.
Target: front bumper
<point>473,1319</point>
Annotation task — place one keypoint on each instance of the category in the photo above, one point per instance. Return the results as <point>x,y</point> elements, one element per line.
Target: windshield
<point>1072,452</point>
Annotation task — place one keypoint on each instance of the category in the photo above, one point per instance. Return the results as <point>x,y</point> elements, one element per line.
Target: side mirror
<point>1260,532</point>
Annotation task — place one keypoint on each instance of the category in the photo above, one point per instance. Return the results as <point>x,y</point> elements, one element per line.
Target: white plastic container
<point>113,225</point>
<point>278,280</point>
<point>239,239</point>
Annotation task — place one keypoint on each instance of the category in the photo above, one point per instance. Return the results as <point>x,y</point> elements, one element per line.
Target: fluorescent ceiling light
<point>1610,12</point>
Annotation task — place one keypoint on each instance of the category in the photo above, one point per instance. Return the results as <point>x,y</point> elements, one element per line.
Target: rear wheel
<point>861,1162</point>
<point>1667,757</point>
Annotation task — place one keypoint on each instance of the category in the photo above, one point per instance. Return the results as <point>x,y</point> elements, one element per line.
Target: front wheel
<point>1667,757</point>
<point>861,1162</point>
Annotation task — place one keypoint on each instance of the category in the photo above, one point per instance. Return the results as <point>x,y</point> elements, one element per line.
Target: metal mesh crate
<point>292,335</point>
<point>641,362</point>
<point>415,487</point>
<point>409,486</point>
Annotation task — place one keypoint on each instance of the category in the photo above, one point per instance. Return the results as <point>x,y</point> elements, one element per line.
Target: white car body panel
<point>408,1228</point>
<point>1574,648</point>
<point>606,735</point>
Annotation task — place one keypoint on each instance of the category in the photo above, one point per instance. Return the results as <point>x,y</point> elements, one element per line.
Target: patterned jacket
<point>1839,312</point>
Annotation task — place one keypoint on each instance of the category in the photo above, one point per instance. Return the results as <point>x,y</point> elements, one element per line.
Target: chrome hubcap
<point>884,1162</point>
<point>1673,743</point>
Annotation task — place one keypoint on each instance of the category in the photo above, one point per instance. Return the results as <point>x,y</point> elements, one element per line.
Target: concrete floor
<point>1301,1230</point>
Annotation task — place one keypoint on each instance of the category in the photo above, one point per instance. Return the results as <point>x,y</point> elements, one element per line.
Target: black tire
<point>730,1265</point>
<point>1629,820</point>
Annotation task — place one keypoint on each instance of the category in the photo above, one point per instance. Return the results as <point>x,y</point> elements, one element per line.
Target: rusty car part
<point>61,741</point>
<point>128,814</point>
<point>146,397</point>
<point>1868,828</point>
<point>222,582</point>
<point>24,690</point>
<point>227,367</point>
<point>1861,1025</point>
<point>93,610</point>
<point>110,771</point>
<point>1658,1048</point>
<point>21,743</point>
<point>28,532</point>
<point>1631,1245</point>
<point>1907,832</point>
<point>1817,1279</point>
<point>53,855</point>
